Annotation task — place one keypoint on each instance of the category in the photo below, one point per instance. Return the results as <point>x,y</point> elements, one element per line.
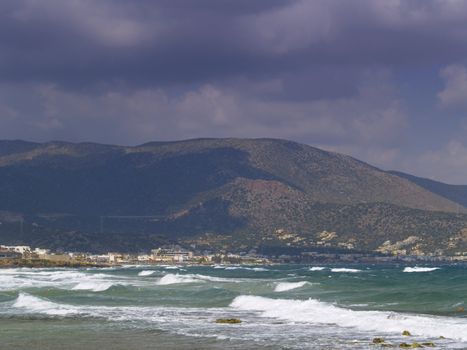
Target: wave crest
<point>146,273</point>
<point>285,286</point>
<point>93,286</point>
<point>38,305</point>
<point>420,269</point>
<point>316,312</point>
<point>317,268</point>
<point>343,269</point>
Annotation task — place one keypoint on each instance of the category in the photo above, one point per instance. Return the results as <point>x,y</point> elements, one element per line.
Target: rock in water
<point>228,320</point>
<point>410,346</point>
<point>378,340</point>
<point>429,343</point>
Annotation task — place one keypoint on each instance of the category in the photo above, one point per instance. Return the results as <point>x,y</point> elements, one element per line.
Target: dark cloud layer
<point>161,42</point>
<point>328,73</point>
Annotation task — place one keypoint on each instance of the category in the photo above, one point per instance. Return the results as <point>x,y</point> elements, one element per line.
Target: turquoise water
<point>281,307</point>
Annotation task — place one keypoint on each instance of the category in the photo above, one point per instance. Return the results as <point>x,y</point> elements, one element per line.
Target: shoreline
<point>42,263</point>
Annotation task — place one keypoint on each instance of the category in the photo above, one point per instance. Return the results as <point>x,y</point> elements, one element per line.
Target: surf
<point>286,286</point>
<point>316,312</point>
<point>420,269</point>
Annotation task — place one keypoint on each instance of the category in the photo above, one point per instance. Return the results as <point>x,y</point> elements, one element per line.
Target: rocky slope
<point>232,193</point>
<point>455,193</point>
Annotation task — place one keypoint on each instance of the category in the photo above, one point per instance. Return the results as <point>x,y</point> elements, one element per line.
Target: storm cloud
<point>384,81</point>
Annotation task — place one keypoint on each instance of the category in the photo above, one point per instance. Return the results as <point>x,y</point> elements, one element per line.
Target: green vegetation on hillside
<point>224,193</point>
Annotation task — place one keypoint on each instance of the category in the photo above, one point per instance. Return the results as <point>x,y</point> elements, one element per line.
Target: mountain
<point>231,194</point>
<point>455,193</point>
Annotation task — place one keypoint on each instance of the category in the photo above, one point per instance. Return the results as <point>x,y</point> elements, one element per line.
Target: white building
<point>17,248</point>
<point>40,251</point>
<point>114,258</point>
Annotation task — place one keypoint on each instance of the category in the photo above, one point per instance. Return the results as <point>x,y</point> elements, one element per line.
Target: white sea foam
<point>343,269</point>
<point>175,279</point>
<point>317,268</point>
<point>146,273</point>
<point>420,269</point>
<point>316,312</point>
<point>37,305</point>
<point>285,286</point>
<point>191,278</point>
<point>257,269</point>
<point>164,316</point>
<point>172,267</point>
<point>93,286</point>
<point>51,278</point>
<point>215,279</point>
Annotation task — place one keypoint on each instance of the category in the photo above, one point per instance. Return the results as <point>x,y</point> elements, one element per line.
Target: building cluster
<point>21,252</point>
<point>165,255</point>
<point>174,254</point>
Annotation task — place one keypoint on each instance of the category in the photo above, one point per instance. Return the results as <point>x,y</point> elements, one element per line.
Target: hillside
<point>455,193</point>
<point>231,193</point>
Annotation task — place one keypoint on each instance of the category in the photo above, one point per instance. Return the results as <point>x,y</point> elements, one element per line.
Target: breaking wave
<point>146,273</point>
<point>37,305</point>
<point>316,312</point>
<point>285,286</point>
<point>257,269</point>
<point>176,279</point>
<point>420,269</point>
<point>317,268</point>
<point>343,269</point>
<point>14,279</point>
<point>93,286</point>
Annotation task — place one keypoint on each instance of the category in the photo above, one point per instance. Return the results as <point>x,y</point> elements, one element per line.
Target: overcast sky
<point>384,81</point>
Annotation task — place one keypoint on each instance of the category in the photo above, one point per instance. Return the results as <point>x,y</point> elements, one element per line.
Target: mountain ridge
<point>245,189</point>
<point>455,193</point>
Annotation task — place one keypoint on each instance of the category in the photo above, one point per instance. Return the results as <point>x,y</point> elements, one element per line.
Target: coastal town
<point>23,255</point>
<point>173,254</point>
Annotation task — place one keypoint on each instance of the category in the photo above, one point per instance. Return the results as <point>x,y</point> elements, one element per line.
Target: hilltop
<point>222,193</point>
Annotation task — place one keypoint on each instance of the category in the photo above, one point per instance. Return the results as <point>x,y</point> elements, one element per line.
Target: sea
<point>279,306</point>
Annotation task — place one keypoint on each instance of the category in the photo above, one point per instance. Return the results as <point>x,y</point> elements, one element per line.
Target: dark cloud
<point>162,42</point>
<point>326,72</point>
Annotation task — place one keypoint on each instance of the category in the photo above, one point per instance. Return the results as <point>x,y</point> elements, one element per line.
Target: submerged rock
<point>228,320</point>
<point>429,343</point>
<point>378,340</point>
<point>410,346</point>
<point>406,333</point>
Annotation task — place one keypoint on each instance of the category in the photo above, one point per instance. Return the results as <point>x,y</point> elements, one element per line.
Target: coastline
<point>43,263</point>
